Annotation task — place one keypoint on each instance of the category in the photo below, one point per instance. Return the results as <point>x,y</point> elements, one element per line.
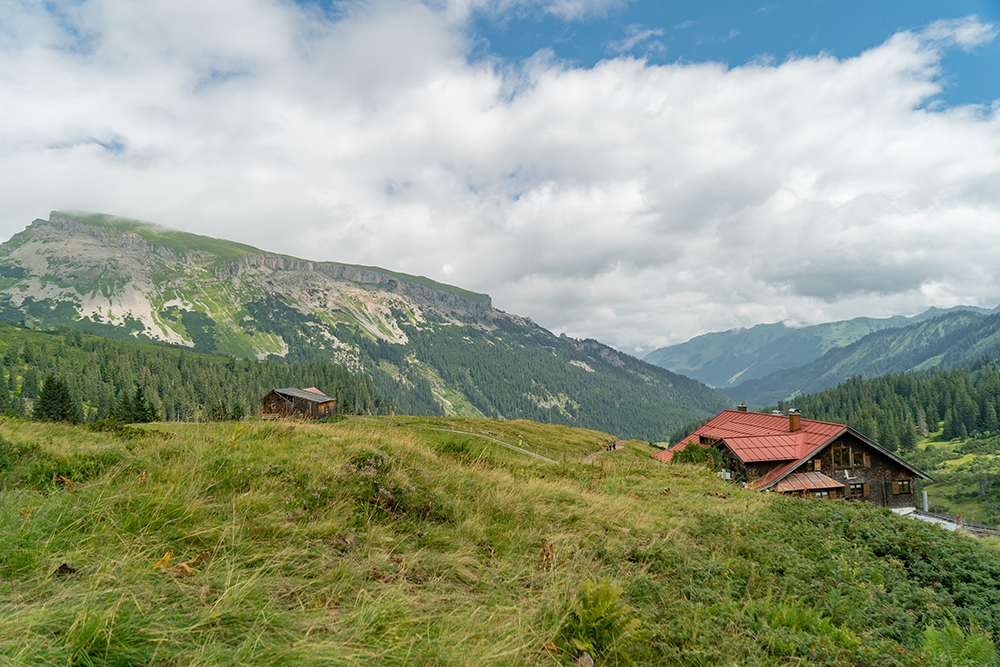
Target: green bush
<point>710,456</point>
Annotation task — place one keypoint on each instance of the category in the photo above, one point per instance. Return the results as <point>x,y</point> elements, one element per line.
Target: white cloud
<point>968,32</point>
<point>568,10</point>
<point>636,204</point>
<point>638,34</point>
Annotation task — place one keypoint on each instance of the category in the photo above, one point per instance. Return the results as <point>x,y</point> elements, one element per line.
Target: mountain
<point>727,358</point>
<point>957,339</point>
<point>429,348</point>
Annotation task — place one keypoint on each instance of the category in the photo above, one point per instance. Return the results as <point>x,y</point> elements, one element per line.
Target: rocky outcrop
<point>124,240</point>
<point>136,243</point>
<point>445,301</point>
<point>593,349</point>
<point>77,227</point>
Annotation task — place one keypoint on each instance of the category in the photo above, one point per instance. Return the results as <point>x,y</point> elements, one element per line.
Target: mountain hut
<point>787,454</point>
<point>290,402</point>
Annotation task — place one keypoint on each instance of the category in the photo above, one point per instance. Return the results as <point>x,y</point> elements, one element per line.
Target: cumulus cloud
<point>632,203</point>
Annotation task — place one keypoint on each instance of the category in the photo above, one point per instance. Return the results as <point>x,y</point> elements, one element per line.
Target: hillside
<point>429,348</point>
<point>732,357</point>
<point>953,340</point>
<point>405,541</point>
<point>181,385</point>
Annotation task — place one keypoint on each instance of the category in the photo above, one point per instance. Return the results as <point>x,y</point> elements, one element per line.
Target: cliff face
<point>361,275</point>
<point>100,271</point>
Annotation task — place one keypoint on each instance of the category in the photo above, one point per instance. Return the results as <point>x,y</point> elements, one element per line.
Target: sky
<point>630,171</point>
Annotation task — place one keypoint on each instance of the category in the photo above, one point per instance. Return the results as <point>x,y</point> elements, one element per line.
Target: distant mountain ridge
<point>956,339</point>
<point>430,348</point>
<point>730,358</point>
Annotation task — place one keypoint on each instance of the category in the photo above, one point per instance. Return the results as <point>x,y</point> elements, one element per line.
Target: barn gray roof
<point>312,396</point>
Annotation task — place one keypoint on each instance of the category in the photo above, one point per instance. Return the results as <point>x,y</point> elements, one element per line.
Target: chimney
<point>742,407</point>
<point>793,420</point>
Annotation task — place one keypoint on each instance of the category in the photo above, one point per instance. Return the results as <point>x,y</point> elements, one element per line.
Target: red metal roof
<point>667,454</point>
<point>773,475</point>
<point>805,481</point>
<point>766,447</point>
<point>755,437</point>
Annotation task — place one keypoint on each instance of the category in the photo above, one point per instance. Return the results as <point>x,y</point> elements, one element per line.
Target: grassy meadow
<point>422,541</point>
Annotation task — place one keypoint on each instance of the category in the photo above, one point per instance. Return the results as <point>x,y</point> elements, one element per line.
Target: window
<point>859,489</point>
<point>847,457</point>
<point>840,456</point>
<point>902,486</point>
<point>822,494</point>
<point>814,466</point>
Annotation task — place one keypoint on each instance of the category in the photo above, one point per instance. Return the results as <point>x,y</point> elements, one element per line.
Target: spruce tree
<point>143,411</point>
<point>55,403</point>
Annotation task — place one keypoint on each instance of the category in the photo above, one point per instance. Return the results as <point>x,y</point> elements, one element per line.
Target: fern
<point>950,646</point>
<point>600,623</point>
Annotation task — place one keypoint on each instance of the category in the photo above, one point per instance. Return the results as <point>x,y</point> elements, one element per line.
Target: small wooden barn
<point>296,403</point>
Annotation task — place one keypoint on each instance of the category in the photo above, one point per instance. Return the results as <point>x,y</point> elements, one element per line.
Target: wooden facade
<point>293,403</point>
<point>786,454</point>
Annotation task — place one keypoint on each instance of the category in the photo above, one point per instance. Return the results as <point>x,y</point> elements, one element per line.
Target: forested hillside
<point>727,358</point>
<point>520,371</point>
<point>181,385</point>
<point>954,340</point>
<point>898,410</point>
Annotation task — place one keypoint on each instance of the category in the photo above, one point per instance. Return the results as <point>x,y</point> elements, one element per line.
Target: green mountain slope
<point>430,348</point>
<point>729,358</point>
<point>953,340</point>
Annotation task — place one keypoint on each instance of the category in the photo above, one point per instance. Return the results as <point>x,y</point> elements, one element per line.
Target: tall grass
<point>360,544</point>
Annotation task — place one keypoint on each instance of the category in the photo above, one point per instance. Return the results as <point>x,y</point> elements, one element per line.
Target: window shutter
<point>865,490</point>
<point>895,488</point>
<point>868,461</point>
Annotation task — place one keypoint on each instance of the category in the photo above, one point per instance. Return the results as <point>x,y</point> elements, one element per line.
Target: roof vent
<point>777,412</point>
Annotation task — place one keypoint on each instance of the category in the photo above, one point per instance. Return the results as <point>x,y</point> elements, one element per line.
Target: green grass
<point>363,543</point>
<point>956,489</point>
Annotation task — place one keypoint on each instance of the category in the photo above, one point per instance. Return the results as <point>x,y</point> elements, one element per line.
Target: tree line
<point>136,382</point>
<point>897,410</point>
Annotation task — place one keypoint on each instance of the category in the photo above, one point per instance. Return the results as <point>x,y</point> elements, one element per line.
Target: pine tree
<point>123,410</point>
<point>143,411</point>
<point>29,384</point>
<point>922,429</point>
<point>218,412</point>
<point>55,403</point>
